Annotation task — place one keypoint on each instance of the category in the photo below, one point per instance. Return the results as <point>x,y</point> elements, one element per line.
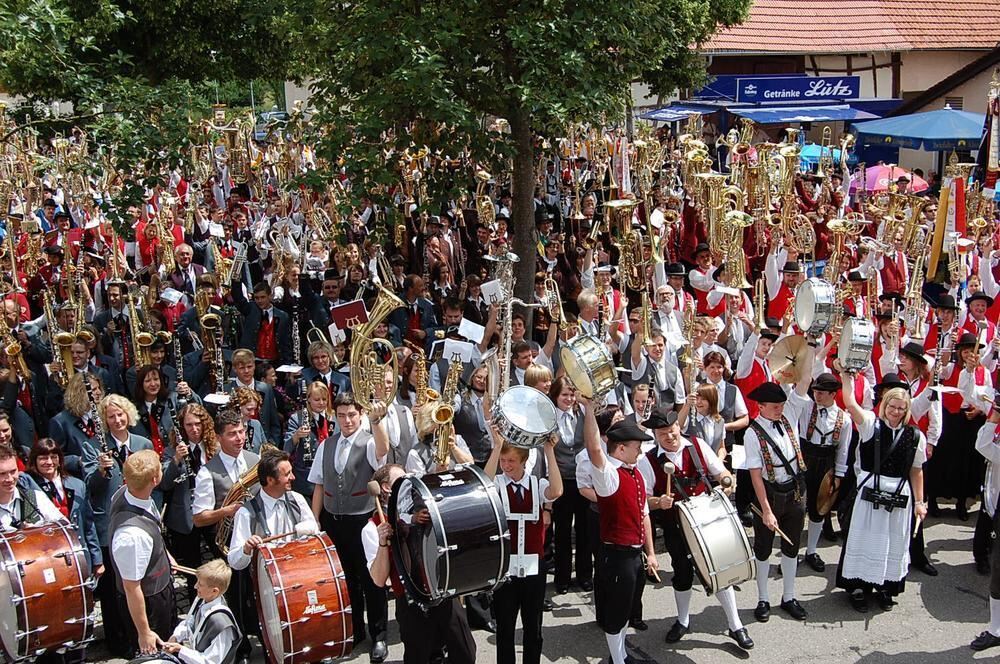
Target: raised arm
<point>592,435</point>
<point>851,405</point>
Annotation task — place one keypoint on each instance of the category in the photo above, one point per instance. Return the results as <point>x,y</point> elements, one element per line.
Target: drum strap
<point>29,509</point>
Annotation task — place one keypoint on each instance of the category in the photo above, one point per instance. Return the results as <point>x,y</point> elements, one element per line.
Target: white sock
<point>763,570</point>
<point>683,599</point>
<point>727,598</point>
<point>812,540</point>
<point>789,565</point>
<point>616,646</point>
<point>994,616</point>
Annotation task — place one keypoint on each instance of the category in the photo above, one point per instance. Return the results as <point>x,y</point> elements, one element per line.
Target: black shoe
<point>547,604</point>
<point>677,631</point>
<point>884,600</point>
<point>962,511</point>
<point>859,600</point>
<point>379,652</point>
<point>763,611</point>
<point>983,567</point>
<point>561,590</point>
<point>926,567</point>
<point>794,609</point>
<point>814,561</point>
<point>490,626</point>
<point>742,638</point>
<point>638,624</point>
<point>586,586</point>
<point>984,641</point>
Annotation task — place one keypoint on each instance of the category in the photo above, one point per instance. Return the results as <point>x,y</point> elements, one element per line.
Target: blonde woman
<point>74,428</point>
<point>307,428</point>
<point>889,467</point>
<point>420,460</point>
<point>247,403</point>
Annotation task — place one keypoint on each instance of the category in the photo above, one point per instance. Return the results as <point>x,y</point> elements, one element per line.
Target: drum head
<point>581,359</point>
<point>814,300</point>
<point>857,338</point>
<point>805,305</point>
<point>8,611</point>
<point>270,619</point>
<point>417,539</point>
<point>528,409</point>
<point>827,497</point>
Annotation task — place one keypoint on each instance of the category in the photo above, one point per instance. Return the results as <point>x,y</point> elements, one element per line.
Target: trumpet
<point>759,304</point>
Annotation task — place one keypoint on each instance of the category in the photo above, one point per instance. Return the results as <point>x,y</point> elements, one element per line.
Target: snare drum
<point>718,543</point>
<point>302,601</point>
<point>450,535</point>
<point>524,416</point>
<point>856,342</point>
<point>46,600</point>
<point>589,366</point>
<point>815,306</point>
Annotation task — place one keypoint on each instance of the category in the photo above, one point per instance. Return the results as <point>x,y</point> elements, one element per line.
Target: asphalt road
<point>933,623</point>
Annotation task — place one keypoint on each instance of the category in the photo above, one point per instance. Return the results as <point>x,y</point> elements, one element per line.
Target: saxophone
<point>444,414</point>
<point>12,348</point>
<point>141,340</point>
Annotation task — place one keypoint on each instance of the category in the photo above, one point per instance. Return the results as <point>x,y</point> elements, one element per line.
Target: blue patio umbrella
<point>944,129</point>
<point>811,152</point>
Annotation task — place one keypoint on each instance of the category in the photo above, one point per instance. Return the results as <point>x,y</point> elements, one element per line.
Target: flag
<point>940,224</point>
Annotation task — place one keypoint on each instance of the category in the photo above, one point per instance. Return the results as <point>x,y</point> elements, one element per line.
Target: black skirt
<point>956,470</point>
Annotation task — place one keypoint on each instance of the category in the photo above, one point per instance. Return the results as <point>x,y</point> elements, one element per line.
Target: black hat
<point>914,350</point>
<point>53,250</point>
<point>676,270</point>
<point>49,203</point>
<point>94,256</point>
<point>854,275</point>
<point>61,214</point>
<point>893,297</point>
<point>769,334</point>
<point>622,432</point>
<point>662,416</point>
<point>718,272</point>
<point>792,266</point>
<point>772,322</point>
<point>331,274</point>
<point>827,382</point>
<point>768,393</point>
<point>700,247</point>
<point>967,339</point>
<point>946,301</point>
<point>980,295</point>
<point>891,380</point>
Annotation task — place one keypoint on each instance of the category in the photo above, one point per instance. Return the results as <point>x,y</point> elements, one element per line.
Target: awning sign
<point>797,88</point>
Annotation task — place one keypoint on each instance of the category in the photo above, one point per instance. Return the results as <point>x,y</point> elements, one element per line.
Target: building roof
<point>860,26</point>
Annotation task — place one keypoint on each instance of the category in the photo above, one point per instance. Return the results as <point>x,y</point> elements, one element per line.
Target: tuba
<point>367,371</point>
<point>242,490</point>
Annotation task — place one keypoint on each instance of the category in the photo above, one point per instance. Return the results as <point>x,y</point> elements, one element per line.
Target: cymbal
<point>787,359</point>
<point>827,497</point>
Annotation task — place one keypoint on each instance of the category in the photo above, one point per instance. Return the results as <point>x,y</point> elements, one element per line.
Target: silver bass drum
<point>524,416</point>
<point>718,543</point>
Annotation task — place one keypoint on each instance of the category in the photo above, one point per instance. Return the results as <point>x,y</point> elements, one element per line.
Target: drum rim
<point>22,612</point>
<point>413,593</point>
<point>595,344</point>
<point>264,554</point>
<point>497,410</point>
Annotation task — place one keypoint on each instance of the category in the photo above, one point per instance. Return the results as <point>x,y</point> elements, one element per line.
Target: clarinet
<point>306,444</point>
<point>185,464</point>
<point>179,367</point>
<point>296,338</point>
<point>936,376</point>
<point>94,415</point>
<point>248,443</point>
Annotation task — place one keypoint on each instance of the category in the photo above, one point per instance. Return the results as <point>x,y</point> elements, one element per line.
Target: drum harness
<point>522,565</point>
<point>798,479</point>
<point>699,468</point>
<point>29,509</point>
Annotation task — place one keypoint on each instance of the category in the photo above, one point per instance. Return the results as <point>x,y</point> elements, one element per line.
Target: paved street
<point>933,623</point>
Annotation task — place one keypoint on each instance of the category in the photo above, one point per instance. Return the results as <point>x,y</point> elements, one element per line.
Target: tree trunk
<point>523,208</point>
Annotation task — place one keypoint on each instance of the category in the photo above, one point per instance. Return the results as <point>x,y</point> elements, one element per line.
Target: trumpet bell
<point>211,321</point>
<point>86,336</point>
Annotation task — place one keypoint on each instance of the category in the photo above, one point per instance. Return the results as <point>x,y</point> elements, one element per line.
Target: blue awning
<point>676,112</point>
<point>770,115</point>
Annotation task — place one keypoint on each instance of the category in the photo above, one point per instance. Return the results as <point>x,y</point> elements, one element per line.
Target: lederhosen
<point>689,480</point>
<point>787,499</point>
<point>820,458</point>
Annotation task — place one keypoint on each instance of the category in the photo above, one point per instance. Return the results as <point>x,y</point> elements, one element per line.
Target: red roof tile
<point>853,26</point>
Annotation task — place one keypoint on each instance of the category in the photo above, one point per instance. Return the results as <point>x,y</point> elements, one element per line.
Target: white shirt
<point>780,438</point>
<point>714,469</point>
<point>342,452</point>
<point>278,519</point>
<point>826,423</point>
<point>502,480</point>
<point>131,546</point>
<point>14,510</point>
<point>189,631</point>
<point>665,375</point>
<point>415,464</point>
<point>867,429</point>
<point>566,421</point>
<point>204,487</point>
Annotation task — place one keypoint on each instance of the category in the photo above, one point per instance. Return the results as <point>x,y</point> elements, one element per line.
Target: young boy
<point>210,627</point>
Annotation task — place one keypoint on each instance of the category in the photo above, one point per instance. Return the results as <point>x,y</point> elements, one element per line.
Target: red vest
<point>991,328</point>
<point>621,512</point>
<point>859,392</point>
<point>893,274</point>
<point>953,402</point>
<point>394,581</point>
<point>757,376</point>
<point>777,307</point>
<point>534,535</point>
<point>924,422</point>
<point>687,472</point>
<point>267,346</point>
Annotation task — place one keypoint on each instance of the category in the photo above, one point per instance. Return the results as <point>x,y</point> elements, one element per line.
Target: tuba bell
<point>367,370</point>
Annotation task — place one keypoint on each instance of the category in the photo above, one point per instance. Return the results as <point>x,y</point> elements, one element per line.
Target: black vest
<point>123,514</point>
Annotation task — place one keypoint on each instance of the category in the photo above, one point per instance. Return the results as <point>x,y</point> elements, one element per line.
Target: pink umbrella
<point>878,178</point>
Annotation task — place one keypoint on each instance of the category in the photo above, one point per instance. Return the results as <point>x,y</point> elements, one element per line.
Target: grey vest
<point>347,493</point>
<point>221,482</point>
<point>217,622</point>
<point>727,409</point>
<point>467,426</point>
<point>124,514</point>
<point>258,523</point>
<point>665,396</point>
<point>565,454</point>
<point>398,453</point>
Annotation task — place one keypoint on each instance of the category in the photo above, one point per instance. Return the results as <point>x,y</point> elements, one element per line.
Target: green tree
<point>436,73</point>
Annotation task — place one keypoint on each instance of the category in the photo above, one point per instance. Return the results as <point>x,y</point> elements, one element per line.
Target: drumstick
<point>669,468</point>
<point>778,530</point>
<point>185,570</point>
<point>916,527</point>
<point>277,537</point>
<point>375,491</point>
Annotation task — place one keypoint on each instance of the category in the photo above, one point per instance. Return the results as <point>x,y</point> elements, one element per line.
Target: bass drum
<point>815,306</point>
<point>589,366</point>
<point>718,543</point>
<point>450,535</point>
<point>46,598</point>
<point>302,601</point>
<point>856,342</point>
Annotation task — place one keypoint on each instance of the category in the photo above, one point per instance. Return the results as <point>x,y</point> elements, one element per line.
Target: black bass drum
<point>449,534</point>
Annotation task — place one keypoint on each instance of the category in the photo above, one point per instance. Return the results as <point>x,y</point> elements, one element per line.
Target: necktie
<point>239,466</point>
<point>477,403</point>
<point>519,490</point>
<point>266,318</point>
<point>777,426</point>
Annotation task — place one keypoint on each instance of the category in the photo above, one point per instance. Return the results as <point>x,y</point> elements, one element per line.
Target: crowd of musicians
<point>143,380</point>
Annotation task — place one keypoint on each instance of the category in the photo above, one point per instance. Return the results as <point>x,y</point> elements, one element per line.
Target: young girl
<point>248,402</point>
<point>524,499</point>
<point>699,417</point>
<point>307,428</point>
